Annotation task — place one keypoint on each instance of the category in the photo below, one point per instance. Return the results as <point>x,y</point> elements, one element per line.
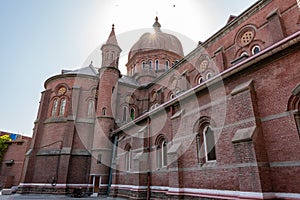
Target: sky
<point>39,38</point>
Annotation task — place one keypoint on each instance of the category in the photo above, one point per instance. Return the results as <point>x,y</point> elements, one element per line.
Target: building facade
<point>13,160</point>
<point>221,122</point>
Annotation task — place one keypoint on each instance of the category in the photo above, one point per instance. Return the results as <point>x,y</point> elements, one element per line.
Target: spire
<point>112,37</point>
<point>156,24</point>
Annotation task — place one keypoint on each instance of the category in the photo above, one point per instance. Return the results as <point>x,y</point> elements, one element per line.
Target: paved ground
<point>45,196</point>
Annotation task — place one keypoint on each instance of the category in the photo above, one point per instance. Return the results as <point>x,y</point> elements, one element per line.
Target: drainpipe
<point>111,163</point>
<point>149,166</point>
<point>171,125</point>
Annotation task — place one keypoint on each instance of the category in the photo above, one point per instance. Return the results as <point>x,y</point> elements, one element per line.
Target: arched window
<point>172,96</point>
<point>255,49</point>
<point>104,111</point>
<point>112,55</point>
<point>112,89</point>
<point>128,157</point>
<point>209,144</point>
<point>161,155</point>
<point>143,64</point>
<point>167,64</point>
<point>62,107</point>
<point>124,113</point>
<point>150,64</point>
<point>132,113</point>
<point>206,145</point>
<point>99,159</point>
<point>208,75</point>
<point>294,106</point>
<point>205,141</point>
<point>91,108</point>
<point>200,80</point>
<point>107,55</point>
<point>54,107</point>
<point>156,65</point>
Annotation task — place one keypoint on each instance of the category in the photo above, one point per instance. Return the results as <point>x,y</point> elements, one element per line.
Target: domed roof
<point>157,40</point>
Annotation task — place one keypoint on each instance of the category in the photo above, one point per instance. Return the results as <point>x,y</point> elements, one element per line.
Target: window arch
<point>156,65</point>
<point>150,64</point>
<point>167,64</point>
<point>104,111</point>
<point>54,107</point>
<point>128,157</point>
<point>244,53</point>
<point>62,108</point>
<point>200,80</point>
<point>294,105</point>
<point>172,96</point>
<point>208,75</point>
<point>143,65</point>
<point>255,49</point>
<point>161,151</point>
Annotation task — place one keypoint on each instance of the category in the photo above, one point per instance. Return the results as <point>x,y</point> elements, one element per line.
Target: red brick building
<point>221,122</point>
<point>13,160</point>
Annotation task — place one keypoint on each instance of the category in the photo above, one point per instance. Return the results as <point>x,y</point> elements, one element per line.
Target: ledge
<point>296,91</point>
<point>243,135</point>
<point>175,149</point>
<point>178,114</point>
<point>242,87</point>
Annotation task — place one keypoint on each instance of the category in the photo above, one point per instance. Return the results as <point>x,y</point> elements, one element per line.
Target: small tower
<point>102,146</point>
<point>111,51</point>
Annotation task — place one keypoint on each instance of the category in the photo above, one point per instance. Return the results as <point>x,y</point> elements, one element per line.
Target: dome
<point>155,41</point>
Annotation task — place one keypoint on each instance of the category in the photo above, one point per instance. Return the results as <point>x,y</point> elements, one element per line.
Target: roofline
<point>231,25</point>
<point>61,76</point>
<point>269,51</point>
<point>257,6</point>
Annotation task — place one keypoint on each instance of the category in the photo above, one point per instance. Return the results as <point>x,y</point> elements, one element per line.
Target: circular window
<point>62,90</point>
<point>203,65</point>
<point>247,37</point>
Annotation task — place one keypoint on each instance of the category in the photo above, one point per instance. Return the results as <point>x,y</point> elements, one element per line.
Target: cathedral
<point>221,122</point>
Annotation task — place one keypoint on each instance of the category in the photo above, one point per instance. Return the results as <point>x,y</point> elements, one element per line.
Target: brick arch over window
<point>293,103</point>
<point>202,121</point>
<point>294,106</point>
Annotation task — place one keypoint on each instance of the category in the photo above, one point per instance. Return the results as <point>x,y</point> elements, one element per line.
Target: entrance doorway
<point>96,183</point>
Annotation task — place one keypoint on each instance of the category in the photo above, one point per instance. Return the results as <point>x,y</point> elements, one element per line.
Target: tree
<point>3,145</point>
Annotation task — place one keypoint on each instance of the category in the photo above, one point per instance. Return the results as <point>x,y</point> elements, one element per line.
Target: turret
<point>105,112</point>
<point>111,51</point>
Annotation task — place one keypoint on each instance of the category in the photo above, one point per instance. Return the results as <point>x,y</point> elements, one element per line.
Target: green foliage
<point>3,145</point>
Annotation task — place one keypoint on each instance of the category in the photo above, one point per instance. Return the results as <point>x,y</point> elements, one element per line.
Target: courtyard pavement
<point>45,196</point>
